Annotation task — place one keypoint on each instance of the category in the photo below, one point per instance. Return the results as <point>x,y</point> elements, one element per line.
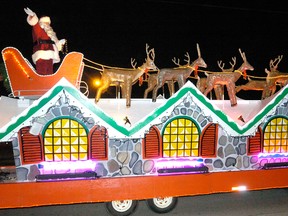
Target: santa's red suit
<point>46,45</point>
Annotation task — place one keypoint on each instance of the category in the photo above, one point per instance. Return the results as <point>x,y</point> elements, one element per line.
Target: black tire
<point>122,207</point>
<point>162,205</point>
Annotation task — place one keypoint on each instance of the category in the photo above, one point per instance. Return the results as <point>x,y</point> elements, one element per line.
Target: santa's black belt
<point>43,42</point>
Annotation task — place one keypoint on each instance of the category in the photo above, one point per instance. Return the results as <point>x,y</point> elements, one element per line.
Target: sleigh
<point>24,80</point>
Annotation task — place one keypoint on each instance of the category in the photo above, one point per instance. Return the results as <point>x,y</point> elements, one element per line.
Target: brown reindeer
<point>228,79</point>
<point>125,77</point>
<point>275,77</point>
<point>218,89</point>
<point>179,74</point>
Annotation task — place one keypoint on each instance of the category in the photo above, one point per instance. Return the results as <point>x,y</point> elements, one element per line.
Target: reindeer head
<point>245,65</point>
<point>149,60</point>
<point>199,62</point>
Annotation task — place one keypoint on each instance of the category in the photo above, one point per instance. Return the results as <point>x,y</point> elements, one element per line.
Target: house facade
<point>64,132</point>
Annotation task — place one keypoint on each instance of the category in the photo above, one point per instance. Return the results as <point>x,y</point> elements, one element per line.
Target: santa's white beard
<point>49,30</point>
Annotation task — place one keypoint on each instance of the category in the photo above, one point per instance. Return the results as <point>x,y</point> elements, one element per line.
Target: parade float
<point>68,148</point>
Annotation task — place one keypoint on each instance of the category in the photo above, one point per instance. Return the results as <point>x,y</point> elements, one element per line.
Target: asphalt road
<point>272,202</point>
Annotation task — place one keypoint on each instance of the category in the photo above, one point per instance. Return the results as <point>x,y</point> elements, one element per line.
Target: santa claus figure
<point>46,45</point>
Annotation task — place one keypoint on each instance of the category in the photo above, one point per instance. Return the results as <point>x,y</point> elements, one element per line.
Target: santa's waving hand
<point>46,45</point>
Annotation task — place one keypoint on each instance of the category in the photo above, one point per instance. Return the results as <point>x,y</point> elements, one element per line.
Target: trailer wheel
<point>121,207</point>
<point>162,205</point>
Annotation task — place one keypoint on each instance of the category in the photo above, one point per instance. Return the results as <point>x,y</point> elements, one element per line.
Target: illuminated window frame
<point>65,142</point>
<point>275,135</point>
<point>180,138</point>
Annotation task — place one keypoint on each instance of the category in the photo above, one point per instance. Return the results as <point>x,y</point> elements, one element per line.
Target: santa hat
<point>45,19</point>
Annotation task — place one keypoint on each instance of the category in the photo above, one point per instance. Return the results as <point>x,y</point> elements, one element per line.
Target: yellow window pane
<point>66,132</point>
<point>166,154</point>
<point>48,133</point>
<point>74,148</point>
<point>57,157</point>
<point>284,149</point>
<point>195,137</point>
<point>195,152</point>
<point>188,123</point>
<point>181,138</point>
<point>180,153</point>
<point>174,138</point>
<point>166,138</point>
<point>181,122</point>
<point>271,149</point>
<point>83,156</point>
<point>74,132</point>
<point>188,130</point>
<point>48,149</point>
<point>180,145</point>
<point>56,140</point>
<point>166,146</point>
<point>83,148</point>
<point>74,124</point>
<point>57,149</point>
<point>266,150</point>
<point>266,143</point>
<point>57,132</point>
<point>195,130</point>
<point>66,123</point>
<point>174,131</point>
<point>74,156</point>
<point>167,130</point>
<point>174,123</point>
<point>66,149</point>
<point>277,149</point>
<point>173,145</point>
<point>66,157</point>
<point>48,157</point>
<point>65,140</point>
<point>188,138</point>
<point>83,140</point>
<point>181,130</point>
<point>195,145</point>
<point>48,141</point>
<point>187,153</point>
<point>74,140</point>
<point>187,145</point>
<point>82,132</point>
<point>284,142</point>
<point>173,153</point>
<point>57,124</point>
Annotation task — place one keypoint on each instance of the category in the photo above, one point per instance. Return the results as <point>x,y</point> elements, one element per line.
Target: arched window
<point>276,136</point>
<point>65,140</point>
<point>180,138</point>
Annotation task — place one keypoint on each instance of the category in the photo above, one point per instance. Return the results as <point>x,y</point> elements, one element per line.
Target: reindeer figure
<point>125,77</point>
<point>152,82</point>
<point>179,74</point>
<point>275,77</point>
<point>218,89</point>
<point>228,79</point>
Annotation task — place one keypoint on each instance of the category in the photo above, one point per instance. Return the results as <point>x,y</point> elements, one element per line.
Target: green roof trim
<point>156,113</point>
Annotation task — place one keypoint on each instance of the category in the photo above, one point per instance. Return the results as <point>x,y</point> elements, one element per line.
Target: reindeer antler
<point>219,65</point>
<point>198,50</point>
<point>133,63</point>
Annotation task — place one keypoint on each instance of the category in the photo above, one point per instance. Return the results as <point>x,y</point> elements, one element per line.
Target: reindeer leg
<point>128,84</point>
<point>232,94</point>
<point>151,86</point>
<point>105,84</point>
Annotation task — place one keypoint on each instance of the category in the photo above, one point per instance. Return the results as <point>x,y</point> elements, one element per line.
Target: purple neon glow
<point>64,166</point>
<point>179,163</point>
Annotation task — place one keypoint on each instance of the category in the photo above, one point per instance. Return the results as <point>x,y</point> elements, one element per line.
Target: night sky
<point>111,32</point>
